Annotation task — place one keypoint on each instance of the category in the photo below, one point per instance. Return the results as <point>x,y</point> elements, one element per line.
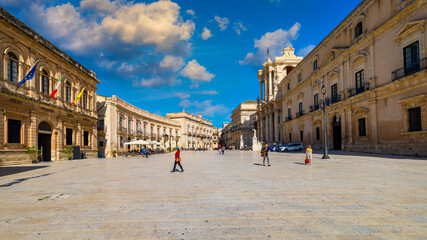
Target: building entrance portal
<point>336,128</point>
<point>44,140</point>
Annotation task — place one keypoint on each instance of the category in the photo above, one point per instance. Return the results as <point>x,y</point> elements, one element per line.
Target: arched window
<point>12,67</point>
<point>85,100</point>
<point>358,30</point>
<point>68,92</point>
<point>45,82</point>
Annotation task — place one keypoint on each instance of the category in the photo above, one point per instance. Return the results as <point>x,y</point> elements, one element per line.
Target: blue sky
<point>163,56</point>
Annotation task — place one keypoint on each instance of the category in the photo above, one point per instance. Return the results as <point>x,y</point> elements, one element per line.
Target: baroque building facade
<point>372,70</point>
<point>121,122</point>
<point>269,102</point>
<point>243,119</point>
<point>196,132</point>
<point>28,114</point>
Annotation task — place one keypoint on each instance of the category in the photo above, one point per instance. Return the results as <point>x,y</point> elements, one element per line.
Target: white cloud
<point>157,24</point>
<point>182,95</point>
<point>275,41</point>
<point>171,62</point>
<point>205,107</point>
<point>64,23</point>
<point>210,92</point>
<point>103,6</point>
<point>222,22</point>
<point>206,34</point>
<point>191,12</point>
<point>156,82</point>
<point>125,67</point>
<point>238,27</point>
<point>303,52</point>
<point>196,72</point>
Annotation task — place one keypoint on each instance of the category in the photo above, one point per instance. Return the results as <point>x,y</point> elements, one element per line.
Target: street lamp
<point>325,149</point>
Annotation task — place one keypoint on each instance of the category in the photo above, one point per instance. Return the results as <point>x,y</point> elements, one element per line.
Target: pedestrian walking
<point>146,153</point>
<point>264,154</point>
<point>177,160</point>
<point>219,149</point>
<point>223,149</point>
<point>308,154</point>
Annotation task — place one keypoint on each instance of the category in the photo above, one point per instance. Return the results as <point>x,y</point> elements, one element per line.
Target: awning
<point>138,142</point>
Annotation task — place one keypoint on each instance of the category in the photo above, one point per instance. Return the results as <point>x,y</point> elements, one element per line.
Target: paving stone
<point>218,197</point>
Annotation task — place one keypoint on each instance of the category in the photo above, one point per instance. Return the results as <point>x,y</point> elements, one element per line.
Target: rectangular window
<point>290,137</point>
<point>68,93</point>
<point>45,84</point>
<point>299,77</point>
<point>69,136</point>
<point>315,65</point>
<point>362,127</point>
<point>289,86</point>
<point>334,93</point>
<point>360,82</point>
<point>316,101</point>
<point>411,57</point>
<point>300,108</point>
<point>358,29</point>
<point>289,112</point>
<point>101,144</point>
<point>414,119</point>
<point>13,131</point>
<point>85,101</point>
<point>120,122</point>
<point>317,133</point>
<point>301,135</point>
<point>85,138</point>
<point>129,124</point>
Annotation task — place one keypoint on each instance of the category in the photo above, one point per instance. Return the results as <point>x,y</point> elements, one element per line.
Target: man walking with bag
<point>264,154</point>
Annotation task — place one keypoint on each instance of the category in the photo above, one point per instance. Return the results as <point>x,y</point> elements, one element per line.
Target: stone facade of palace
<point>243,119</point>
<point>215,137</point>
<point>226,137</point>
<point>196,132</point>
<point>121,122</point>
<point>373,69</point>
<point>28,115</point>
<point>269,103</point>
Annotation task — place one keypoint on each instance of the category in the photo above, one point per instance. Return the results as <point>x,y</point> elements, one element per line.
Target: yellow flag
<point>79,96</point>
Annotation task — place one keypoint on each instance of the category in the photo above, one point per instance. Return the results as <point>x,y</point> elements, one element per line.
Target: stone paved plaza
<point>217,197</point>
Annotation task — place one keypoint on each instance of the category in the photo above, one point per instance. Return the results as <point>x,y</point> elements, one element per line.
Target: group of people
<point>265,150</point>
<point>264,154</point>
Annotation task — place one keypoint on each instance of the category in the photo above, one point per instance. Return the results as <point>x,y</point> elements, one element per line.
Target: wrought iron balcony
<point>314,107</point>
<point>299,114</point>
<point>354,91</point>
<point>288,118</point>
<point>403,72</point>
<point>335,99</point>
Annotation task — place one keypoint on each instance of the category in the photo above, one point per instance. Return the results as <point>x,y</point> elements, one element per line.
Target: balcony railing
<point>335,99</point>
<point>299,114</point>
<point>314,107</point>
<point>288,118</point>
<point>402,72</point>
<point>123,129</point>
<point>153,135</point>
<point>354,91</point>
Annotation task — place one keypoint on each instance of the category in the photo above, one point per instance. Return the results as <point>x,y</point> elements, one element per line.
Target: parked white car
<point>292,147</point>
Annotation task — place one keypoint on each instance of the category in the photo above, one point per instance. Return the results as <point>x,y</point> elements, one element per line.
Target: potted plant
<point>69,152</point>
<point>35,153</point>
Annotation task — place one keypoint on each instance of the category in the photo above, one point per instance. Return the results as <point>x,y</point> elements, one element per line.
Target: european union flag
<point>29,76</point>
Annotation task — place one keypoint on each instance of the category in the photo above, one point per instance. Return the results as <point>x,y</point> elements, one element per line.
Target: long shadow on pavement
<point>4,171</point>
<point>23,179</point>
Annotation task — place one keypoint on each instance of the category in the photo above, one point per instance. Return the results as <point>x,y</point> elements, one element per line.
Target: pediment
<point>333,53</point>
<point>361,110</point>
<point>410,28</point>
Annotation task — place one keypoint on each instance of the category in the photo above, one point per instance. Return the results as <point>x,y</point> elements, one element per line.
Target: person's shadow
<point>258,164</point>
<point>300,163</point>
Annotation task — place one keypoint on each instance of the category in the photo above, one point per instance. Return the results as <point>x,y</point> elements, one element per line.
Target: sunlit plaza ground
<point>217,197</point>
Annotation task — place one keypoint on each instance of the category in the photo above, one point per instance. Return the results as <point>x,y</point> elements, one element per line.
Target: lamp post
<point>325,149</point>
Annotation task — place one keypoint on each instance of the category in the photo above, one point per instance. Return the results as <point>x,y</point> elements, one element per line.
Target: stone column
<point>270,86</point>
<point>260,90</point>
<point>349,130</point>
<point>267,127</point>
<point>372,123</point>
<point>265,88</point>
<point>79,135</point>
<point>276,129</point>
<point>271,130</point>
<point>60,139</point>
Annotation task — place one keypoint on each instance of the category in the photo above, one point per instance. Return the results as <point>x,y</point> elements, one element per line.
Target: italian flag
<point>56,88</point>
<point>79,96</point>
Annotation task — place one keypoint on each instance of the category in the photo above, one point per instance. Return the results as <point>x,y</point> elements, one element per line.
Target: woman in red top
<point>177,160</point>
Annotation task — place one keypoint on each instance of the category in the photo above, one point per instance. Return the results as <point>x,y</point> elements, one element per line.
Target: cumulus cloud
<point>156,82</point>
<point>206,107</point>
<point>157,24</point>
<point>196,72</point>
<point>303,52</point>
<point>222,22</point>
<point>191,12</point>
<point>182,95</point>
<point>102,6</point>
<point>210,92</point>
<point>275,41</point>
<point>172,63</point>
<point>206,34</point>
<point>238,27</point>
